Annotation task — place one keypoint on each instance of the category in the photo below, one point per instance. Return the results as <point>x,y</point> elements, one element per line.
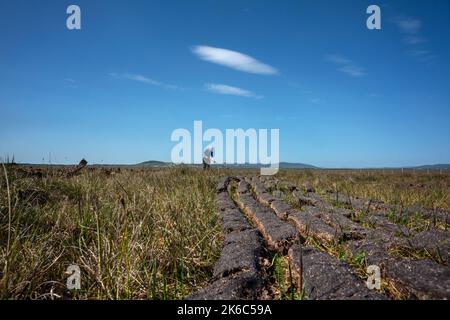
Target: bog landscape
<point>180,232</point>
<point>272,152</point>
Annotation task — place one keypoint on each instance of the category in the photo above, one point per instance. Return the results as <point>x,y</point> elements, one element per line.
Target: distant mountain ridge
<point>155,163</point>
<point>433,167</point>
<point>295,165</point>
<point>283,165</point>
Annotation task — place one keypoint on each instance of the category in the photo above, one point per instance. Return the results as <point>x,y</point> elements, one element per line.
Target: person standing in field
<point>208,157</point>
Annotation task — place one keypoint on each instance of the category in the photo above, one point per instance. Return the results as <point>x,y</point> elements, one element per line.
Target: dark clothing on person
<point>206,166</point>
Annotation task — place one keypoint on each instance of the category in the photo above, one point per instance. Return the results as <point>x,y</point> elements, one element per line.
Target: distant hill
<point>154,163</point>
<point>433,167</point>
<point>283,165</point>
<point>291,165</point>
<point>287,165</point>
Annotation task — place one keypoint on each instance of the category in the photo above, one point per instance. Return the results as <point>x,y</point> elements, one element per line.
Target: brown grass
<point>145,233</point>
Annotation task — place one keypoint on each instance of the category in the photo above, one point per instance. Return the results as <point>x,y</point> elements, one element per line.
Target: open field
<point>170,233</point>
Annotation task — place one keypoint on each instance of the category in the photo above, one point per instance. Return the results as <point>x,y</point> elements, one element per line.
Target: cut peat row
<point>278,234</point>
<point>281,209</point>
<point>265,198</point>
<point>380,221</point>
<point>305,222</point>
<point>322,277</point>
<point>339,218</point>
<point>349,202</point>
<point>414,279</point>
<point>310,199</point>
<point>342,225</point>
<point>239,286</point>
<point>382,208</point>
<point>434,242</point>
<point>327,224</point>
<point>318,274</point>
<point>414,265</point>
<point>310,226</point>
<point>237,273</point>
<point>260,192</point>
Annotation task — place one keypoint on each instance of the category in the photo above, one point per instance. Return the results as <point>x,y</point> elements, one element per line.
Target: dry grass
<point>408,188</point>
<point>134,234</point>
<point>145,234</point>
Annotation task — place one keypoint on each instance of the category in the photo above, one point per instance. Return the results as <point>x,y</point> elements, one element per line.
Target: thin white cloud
<point>338,59</point>
<point>233,59</point>
<point>419,53</point>
<point>414,40</point>
<point>410,28</point>
<point>138,77</point>
<point>425,56</point>
<point>71,83</point>
<point>295,85</point>
<point>409,25</point>
<point>352,70</point>
<point>346,65</point>
<point>230,90</point>
<point>314,100</point>
<point>143,79</point>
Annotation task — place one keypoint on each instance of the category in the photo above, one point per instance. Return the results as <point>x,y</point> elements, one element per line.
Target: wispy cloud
<point>425,56</point>
<point>143,79</point>
<point>295,85</point>
<point>314,100</point>
<point>346,65</point>
<point>284,118</point>
<point>233,59</point>
<point>71,83</point>
<point>414,40</point>
<point>411,30</point>
<point>230,90</point>
<point>409,25</point>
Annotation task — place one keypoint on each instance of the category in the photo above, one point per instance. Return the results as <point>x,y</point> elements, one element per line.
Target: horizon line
<point>248,165</point>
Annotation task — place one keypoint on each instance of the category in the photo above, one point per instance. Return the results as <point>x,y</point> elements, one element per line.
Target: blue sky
<point>113,92</point>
